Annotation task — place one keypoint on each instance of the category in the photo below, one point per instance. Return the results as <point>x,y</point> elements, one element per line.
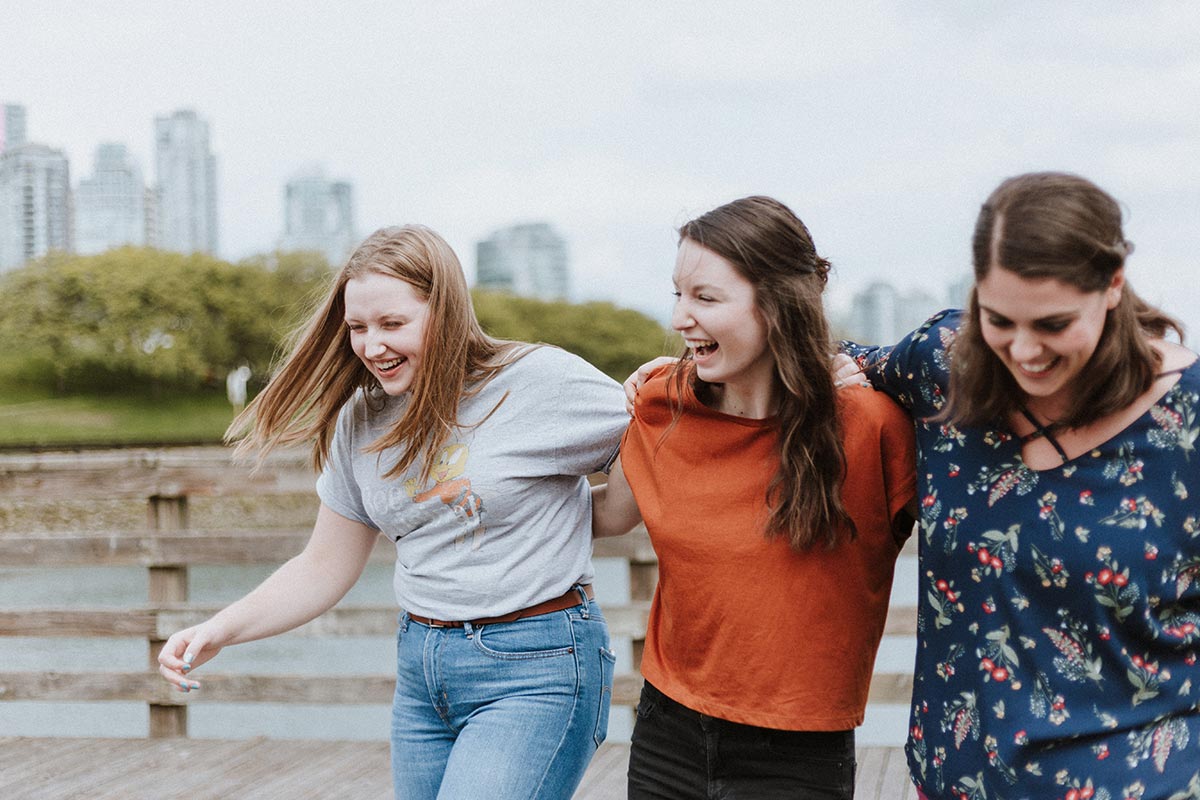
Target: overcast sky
<point>883,125</point>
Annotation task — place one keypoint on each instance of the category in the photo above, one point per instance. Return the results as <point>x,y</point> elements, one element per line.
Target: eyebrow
<point>699,287</point>
<point>1059,317</point>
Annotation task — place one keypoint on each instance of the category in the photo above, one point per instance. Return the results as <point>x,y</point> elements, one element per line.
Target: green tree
<point>136,317</point>
<point>142,319</point>
<point>616,340</point>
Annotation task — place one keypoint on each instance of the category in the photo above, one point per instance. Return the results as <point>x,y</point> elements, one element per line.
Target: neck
<point>742,401</point>
<point>1047,411</point>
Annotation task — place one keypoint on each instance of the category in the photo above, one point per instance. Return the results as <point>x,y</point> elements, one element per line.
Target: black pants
<point>680,754</point>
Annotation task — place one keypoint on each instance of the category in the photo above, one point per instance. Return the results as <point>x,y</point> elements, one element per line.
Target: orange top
<point>743,627</point>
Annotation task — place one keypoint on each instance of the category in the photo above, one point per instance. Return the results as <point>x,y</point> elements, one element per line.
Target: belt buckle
<point>437,623</point>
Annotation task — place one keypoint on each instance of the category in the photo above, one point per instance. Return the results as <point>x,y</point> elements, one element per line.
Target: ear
<point>1112,294</point>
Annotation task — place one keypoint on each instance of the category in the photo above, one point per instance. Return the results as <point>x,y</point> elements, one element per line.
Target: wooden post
<point>168,584</point>
<point>643,578</point>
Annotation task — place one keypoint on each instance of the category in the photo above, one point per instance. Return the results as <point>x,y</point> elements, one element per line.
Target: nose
<point>1025,345</point>
<point>374,346</point>
<point>681,318</point>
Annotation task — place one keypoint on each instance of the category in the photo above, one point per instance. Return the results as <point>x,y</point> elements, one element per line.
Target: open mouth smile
<point>387,368</point>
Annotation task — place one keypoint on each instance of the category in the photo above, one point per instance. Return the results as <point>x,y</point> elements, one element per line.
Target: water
<point>127,586</point>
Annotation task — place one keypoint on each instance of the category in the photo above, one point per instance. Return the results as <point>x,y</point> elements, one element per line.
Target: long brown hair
<point>1061,226</point>
<point>771,248</point>
<point>301,402</point>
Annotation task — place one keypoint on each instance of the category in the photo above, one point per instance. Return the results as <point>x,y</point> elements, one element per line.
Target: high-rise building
<point>880,314</point>
<point>318,215</point>
<point>528,260</point>
<point>110,206</point>
<point>35,203</point>
<point>12,131</point>
<point>186,172</point>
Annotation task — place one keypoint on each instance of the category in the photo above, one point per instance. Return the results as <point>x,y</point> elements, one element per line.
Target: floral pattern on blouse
<point>1059,610</point>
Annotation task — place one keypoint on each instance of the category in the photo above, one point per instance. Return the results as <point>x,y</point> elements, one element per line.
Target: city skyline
<point>883,124</point>
<point>530,259</point>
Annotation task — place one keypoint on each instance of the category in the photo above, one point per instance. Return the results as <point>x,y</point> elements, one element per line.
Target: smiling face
<point>1044,331</point>
<point>386,318</point>
<point>716,313</point>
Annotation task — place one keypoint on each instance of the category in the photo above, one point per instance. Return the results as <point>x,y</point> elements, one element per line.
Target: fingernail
<point>186,667</point>
<point>183,687</point>
<point>195,686</point>
<point>187,658</point>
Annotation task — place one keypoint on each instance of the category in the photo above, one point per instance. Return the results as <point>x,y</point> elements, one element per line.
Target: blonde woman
<point>470,454</point>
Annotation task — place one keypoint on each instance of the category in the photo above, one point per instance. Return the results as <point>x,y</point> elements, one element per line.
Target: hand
<point>635,381</point>
<point>186,650</point>
<point>846,372</point>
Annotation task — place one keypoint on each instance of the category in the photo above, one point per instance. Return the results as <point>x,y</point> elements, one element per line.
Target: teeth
<point>1036,368</point>
<point>386,365</point>
<point>699,343</point>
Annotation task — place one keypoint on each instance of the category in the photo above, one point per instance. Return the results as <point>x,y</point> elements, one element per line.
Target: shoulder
<point>546,359</point>
<point>654,398</point>
<point>940,330</point>
<point>1175,356</point>
<point>863,407</point>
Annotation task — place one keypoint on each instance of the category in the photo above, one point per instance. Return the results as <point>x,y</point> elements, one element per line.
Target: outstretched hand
<point>635,381</point>
<point>186,650</point>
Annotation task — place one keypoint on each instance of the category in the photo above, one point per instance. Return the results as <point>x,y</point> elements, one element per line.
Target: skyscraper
<point>319,215</point>
<point>12,131</point>
<point>110,206</point>
<point>529,260</point>
<point>35,203</point>
<point>880,314</point>
<point>187,184</point>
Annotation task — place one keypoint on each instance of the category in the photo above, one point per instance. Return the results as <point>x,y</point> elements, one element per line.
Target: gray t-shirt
<point>504,521</point>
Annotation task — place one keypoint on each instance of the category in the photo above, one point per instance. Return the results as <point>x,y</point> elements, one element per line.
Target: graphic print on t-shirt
<point>454,490</point>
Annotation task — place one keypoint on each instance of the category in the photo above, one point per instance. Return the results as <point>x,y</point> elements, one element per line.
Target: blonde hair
<point>321,373</point>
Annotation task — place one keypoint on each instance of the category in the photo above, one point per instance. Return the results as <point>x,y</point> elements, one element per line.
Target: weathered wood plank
<point>629,620</point>
<point>266,769</point>
<point>96,622</point>
<point>891,687</point>
<point>154,548</point>
<point>209,546</point>
<point>143,473</point>
<point>330,689</point>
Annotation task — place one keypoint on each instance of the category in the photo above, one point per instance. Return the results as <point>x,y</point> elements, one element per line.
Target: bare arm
<point>614,510</point>
<point>299,591</point>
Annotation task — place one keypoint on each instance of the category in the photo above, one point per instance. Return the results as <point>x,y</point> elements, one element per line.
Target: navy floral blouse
<point>1059,610</point>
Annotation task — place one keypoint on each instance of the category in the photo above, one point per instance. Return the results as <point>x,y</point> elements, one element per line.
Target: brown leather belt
<point>568,600</point>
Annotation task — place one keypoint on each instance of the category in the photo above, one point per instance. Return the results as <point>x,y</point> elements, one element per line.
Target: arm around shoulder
<point>614,509</point>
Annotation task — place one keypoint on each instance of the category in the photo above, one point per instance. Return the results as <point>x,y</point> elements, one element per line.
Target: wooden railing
<point>168,483</point>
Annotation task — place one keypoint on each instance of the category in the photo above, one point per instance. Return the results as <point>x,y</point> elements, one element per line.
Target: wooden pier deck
<point>276,769</point>
<point>171,510</point>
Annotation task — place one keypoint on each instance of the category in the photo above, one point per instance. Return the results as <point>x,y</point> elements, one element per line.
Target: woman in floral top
<point>1059,603</point>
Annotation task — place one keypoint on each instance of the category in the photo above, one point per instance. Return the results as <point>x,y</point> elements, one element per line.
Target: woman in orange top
<point>777,507</point>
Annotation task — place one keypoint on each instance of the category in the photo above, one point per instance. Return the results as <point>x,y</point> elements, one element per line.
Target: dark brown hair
<point>301,402</point>
<point>1060,226</point>
<point>771,248</point>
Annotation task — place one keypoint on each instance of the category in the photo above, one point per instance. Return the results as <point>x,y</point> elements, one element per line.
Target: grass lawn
<point>29,419</point>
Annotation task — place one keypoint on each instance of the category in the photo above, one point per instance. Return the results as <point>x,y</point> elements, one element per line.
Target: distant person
<point>777,507</point>
<point>1059,622</point>
<point>470,454</point>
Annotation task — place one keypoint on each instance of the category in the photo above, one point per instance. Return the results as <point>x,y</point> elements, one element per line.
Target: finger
<point>181,682</point>
<point>168,656</point>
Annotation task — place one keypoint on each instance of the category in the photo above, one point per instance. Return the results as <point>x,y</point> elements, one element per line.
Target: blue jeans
<point>679,753</point>
<point>507,711</point>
